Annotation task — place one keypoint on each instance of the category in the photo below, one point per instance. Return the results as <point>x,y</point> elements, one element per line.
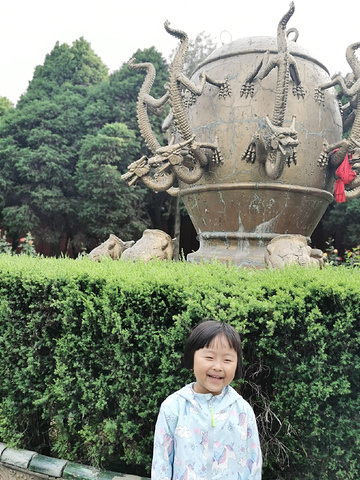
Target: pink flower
<point>22,240</point>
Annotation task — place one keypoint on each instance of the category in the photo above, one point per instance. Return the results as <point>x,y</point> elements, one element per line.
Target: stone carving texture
<point>335,153</point>
<point>186,159</point>
<point>153,244</point>
<point>292,249</point>
<point>275,146</point>
<point>237,207</point>
<point>113,247</point>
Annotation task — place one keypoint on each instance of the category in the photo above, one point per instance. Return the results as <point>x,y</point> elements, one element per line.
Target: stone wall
<point>27,465</point>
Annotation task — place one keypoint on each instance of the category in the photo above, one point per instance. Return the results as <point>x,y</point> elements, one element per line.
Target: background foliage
<point>89,351</point>
<point>65,144</point>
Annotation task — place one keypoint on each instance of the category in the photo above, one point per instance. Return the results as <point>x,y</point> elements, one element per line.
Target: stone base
<point>245,250</point>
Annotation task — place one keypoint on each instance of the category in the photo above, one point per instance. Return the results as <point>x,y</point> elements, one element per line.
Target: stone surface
<point>2,448</point>
<point>47,465</point>
<point>292,249</point>
<point>235,208</point>
<point>74,471</point>
<point>27,465</point>
<point>18,458</point>
<point>153,244</point>
<point>107,475</point>
<point>113,247</point>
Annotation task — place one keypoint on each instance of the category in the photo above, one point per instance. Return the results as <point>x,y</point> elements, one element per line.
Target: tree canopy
<point>65,145</point>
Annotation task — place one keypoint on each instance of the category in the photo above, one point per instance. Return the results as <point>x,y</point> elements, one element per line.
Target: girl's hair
<point>203,335</point>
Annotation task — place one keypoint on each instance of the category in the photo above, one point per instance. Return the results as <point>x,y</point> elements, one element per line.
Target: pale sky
<point>115,29</point>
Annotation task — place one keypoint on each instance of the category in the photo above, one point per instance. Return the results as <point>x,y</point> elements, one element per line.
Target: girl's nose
<point>217,365</point>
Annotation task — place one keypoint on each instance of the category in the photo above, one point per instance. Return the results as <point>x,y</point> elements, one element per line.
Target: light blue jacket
<point>206,437</point>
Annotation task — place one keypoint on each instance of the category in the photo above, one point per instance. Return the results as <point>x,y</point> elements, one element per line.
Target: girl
<point>207,430</point>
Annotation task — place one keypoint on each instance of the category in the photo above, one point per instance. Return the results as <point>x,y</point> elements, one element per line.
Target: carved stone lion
<point>292,249</point>
<point>153,244</point>
<point>113,247</point>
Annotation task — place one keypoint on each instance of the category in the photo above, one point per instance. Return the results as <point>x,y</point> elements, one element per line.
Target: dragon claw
<point>225,89</point>
<point>216,157</point>
<point>319,95</point>
<point>323,159</point>
<point>247,89</point>
<point>250,153</point>
<point>298,91</point>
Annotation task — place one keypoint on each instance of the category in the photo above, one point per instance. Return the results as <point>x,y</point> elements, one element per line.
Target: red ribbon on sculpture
<point>346,175</point>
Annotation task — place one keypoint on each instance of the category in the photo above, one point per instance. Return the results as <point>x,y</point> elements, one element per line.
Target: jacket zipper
<point>212,416</point>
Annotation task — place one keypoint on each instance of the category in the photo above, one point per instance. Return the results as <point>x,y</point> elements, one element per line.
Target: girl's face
<point>214,366</point>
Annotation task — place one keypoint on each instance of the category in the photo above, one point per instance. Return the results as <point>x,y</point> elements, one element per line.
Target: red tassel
<point>346,175</point>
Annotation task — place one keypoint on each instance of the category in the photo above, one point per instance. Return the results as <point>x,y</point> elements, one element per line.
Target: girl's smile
<point>214,366</point>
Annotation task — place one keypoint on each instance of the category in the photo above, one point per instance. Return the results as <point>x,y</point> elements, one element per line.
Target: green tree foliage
<point>5,105</point>
<point>342,222</point>
<point>40,142</point>
<point>115,100</point>
<point>53,146</point>
<point>75,65</point>
<point>106,204</point>
<point>39,150</point>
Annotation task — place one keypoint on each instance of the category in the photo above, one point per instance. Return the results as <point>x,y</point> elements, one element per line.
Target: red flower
<point>22,240</point>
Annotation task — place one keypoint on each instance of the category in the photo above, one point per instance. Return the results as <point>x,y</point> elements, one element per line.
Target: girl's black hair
<point>202,336</point>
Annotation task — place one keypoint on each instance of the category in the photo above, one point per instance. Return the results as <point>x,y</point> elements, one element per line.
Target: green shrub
<point>89,351</point>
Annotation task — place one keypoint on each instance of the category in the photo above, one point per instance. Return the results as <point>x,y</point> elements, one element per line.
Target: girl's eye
<point>209,358</point>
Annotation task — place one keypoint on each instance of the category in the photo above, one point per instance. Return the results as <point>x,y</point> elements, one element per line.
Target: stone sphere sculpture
<point>248,130</point>
<point>239,206</point>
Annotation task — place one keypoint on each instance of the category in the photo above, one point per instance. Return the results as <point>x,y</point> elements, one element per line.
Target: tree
<point>45,138</point>
<point>40,143</point>
<point>115,100</point>
<point>77,65</point>
<point>342,222</point>
<point>105,203</point>
<point>5,105</point>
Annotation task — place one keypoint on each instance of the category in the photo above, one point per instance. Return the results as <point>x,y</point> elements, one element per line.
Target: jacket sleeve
<point>163,451</point>
<point>254,463</point>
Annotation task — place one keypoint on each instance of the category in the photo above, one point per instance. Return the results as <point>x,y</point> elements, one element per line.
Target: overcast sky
<point>115,29</point>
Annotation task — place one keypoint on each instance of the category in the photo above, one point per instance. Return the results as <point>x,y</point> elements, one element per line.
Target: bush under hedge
<point>89,350</point>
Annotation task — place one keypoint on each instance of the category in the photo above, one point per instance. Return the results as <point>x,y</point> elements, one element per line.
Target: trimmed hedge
<point>89,351</point>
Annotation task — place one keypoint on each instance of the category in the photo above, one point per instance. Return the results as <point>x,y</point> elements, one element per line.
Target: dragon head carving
<point>282,140</point>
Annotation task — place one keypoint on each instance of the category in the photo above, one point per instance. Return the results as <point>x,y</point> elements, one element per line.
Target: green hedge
<point>89,350</point>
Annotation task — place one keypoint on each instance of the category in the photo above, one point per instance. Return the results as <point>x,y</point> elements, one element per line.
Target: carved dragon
<point>185,160</point>
<point>177,81</point>
<point>156,174</point>
<point>275,145</point>
<point>335,153</point>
